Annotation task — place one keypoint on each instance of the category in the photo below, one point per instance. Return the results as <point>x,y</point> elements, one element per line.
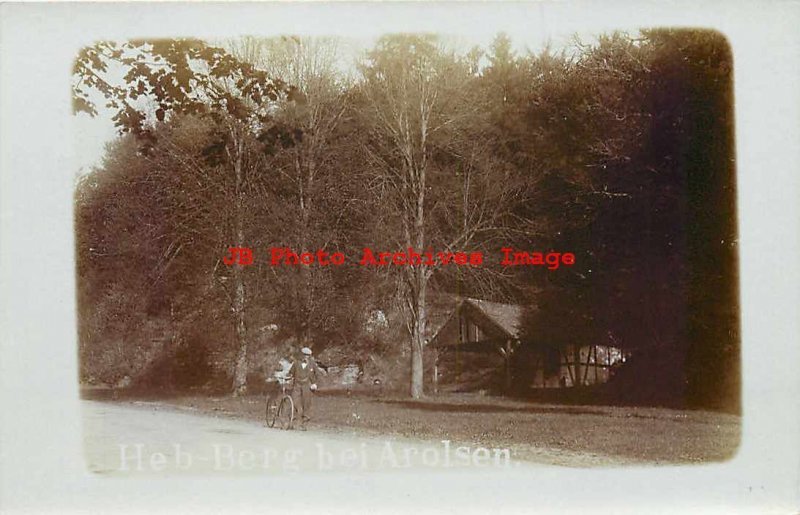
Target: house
<point>476,341</point>
<point>481,341</point>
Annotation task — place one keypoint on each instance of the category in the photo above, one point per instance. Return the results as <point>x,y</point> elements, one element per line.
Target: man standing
<point>304,373</point>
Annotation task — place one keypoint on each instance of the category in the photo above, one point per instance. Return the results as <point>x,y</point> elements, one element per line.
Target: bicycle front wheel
<point>271,410</point>
<point>286,412</point>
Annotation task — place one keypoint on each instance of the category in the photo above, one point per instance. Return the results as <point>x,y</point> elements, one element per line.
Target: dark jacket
<point>304,376</point>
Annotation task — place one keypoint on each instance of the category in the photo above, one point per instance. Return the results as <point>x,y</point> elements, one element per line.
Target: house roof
<point>507,316</point>
<point>504,318</point>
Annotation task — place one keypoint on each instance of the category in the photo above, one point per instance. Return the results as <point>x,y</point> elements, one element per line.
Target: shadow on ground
<point>446,407</point>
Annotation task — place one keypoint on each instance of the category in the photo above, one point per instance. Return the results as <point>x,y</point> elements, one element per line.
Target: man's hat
<point>306,351</point>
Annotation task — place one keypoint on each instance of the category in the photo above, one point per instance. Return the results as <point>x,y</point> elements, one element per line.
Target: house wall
<point>542,368</point>
<point>465,327</point>
<point>469,331</point>
<point>469,371</point>
<point>595,366</point>
<point>461,370</point>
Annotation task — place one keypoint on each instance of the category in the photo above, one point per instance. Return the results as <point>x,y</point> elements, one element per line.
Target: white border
<point>41,454</point>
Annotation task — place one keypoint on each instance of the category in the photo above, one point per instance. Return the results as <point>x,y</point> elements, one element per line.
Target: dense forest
<point>619,151</point>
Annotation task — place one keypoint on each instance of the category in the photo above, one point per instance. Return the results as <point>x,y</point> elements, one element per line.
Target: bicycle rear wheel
<point>271,414</point>
<point>286,412</point>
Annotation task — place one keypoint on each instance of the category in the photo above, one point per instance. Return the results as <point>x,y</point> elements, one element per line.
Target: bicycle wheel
<point>271,410</point>
<point>286,412</point>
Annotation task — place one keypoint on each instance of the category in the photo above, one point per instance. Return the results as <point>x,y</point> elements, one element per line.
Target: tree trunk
<point>418,338</point>
<point>305,175</point>
<point>436,374</point>
<point>420,274</point>
<point>576,358</point>
<point>240,366</point>
<point>507,363</point>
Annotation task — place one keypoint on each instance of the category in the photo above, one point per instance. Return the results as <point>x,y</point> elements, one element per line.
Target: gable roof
<point>505,319</point>
<point>506,316</point>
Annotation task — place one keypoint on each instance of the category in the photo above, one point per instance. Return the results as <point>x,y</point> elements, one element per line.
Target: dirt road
<point>145,438</point>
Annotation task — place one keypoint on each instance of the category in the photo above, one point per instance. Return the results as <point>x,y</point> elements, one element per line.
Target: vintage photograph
<point>412,251</point>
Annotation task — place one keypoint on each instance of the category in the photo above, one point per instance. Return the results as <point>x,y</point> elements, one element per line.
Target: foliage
<point>170,76</point>
<point>655,149</point>
<point>619,151</point>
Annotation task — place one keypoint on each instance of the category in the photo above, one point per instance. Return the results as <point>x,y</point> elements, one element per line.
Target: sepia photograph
<point>418,237</point>
<point>466,248</point>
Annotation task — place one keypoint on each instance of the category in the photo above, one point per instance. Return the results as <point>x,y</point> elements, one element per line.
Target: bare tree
<point>308,165</point>
<point>423,121</point>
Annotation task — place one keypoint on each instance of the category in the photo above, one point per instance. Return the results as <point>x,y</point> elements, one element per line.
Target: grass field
<point>562,435</point>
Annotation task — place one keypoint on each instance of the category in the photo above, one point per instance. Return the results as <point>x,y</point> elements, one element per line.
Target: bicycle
<point>280,406</point>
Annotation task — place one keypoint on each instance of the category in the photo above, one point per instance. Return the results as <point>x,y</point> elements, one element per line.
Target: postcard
<point>388,256</point>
